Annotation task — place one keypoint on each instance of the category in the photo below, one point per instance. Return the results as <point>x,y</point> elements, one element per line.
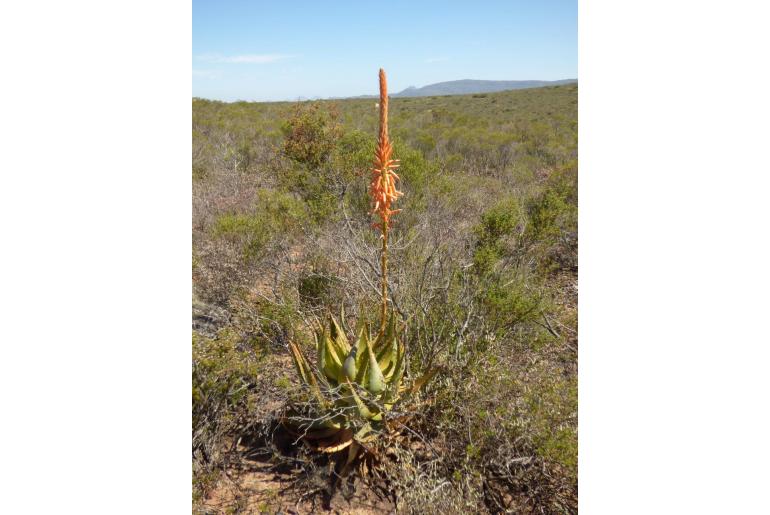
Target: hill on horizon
<point>452,87</point>
<point>468,86</point>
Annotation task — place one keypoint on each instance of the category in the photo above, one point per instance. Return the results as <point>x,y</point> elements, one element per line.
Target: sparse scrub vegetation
<point>482,277</point>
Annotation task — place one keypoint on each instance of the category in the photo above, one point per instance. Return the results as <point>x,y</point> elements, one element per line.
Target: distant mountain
<point>466,87</point>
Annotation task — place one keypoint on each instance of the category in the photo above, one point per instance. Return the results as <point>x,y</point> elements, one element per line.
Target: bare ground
<point>257,483</point>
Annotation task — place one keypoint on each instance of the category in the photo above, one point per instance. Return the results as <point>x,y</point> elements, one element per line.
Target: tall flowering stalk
<point>383,190</point>
<point>356,383</point>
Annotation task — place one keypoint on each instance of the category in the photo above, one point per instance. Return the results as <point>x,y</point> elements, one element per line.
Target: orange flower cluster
<point>383,190</point>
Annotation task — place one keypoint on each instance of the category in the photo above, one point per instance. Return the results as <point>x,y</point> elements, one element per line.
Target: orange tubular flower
<point>383,190</point>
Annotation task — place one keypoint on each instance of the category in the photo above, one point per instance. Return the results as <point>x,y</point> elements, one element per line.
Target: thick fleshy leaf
<point>335,352</point>
<point>319,434</point>
<point>301,426</point>
<point>332,365</point>
<point>353,451</point>
<point>349,367</point>
<point>306,373</point>
<point>395,382</point>
<point>365,430</point>
<point>337,442</point>
<point>423,380</point>
<point>338,336</point>
<point>363,410</point>
<point>384,338</point>
<point>387,357</point>
<point>362,358</point>
<point>322,357</point>
<point>303,367</point>
<point>375,380</point>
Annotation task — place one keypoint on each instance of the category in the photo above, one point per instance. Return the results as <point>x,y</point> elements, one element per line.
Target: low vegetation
<point>481,284</point>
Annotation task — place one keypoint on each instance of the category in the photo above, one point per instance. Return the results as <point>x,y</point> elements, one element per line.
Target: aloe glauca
<point>356,386</point>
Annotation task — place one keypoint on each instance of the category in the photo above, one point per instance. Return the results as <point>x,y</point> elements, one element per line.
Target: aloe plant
<point>354,383</point>
<point>357,388</point>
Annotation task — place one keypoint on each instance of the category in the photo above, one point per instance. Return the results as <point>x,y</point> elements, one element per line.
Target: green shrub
<point>314,288</point>
<point>263,322</point>
<point>425,142</point>
<point>222,373</point>
<point>275,215</point>
<point>510,300</point>
<point>233,387</point>
<point>325,159</point>
<point>311,133</point>
<point>416,173</point>
<point>553,219</point>
<point>354,153</point>
<point>222,377</point>
<point>498,225</point>
<point>553,412</point>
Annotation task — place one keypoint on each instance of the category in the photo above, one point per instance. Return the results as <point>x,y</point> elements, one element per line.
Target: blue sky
<point>284,50</point>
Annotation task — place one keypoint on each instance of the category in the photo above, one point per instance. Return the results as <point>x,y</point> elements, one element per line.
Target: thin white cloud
<point>243,59</point>
<point>436,59</point>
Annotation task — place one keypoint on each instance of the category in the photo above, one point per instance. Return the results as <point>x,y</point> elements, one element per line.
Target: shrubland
<point>482,273</point>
